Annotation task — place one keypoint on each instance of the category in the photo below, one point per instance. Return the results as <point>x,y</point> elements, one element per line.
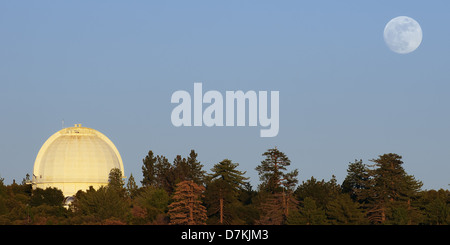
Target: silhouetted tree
<point>189,169</point>
<point>148,170</point>
<point>165,174</point>
<point>132,188</point>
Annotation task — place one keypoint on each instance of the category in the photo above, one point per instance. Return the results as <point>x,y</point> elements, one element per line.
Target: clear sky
<point>113,66</point>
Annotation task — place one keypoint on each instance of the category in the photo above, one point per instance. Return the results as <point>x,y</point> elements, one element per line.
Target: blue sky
<point>113,66</point>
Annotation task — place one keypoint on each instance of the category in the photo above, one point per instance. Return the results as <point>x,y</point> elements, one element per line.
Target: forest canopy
<point>183,192</point>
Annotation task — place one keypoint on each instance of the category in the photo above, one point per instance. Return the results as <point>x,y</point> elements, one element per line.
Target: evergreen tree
<point>3,199</point>
<point>165,174</point>
<point>308,214</point>
<point>132,188</point>
<point>189,169</point>
<point>49,196</point>
<point>223,189</point>
<point>280,186</point>
<point>100,205</point>
<point>107,203</point>
<point>226,171</point>
<point>219,200</point>
<point>390,189</point>
<point>180,168</point>
<point>271,171</point>
<point>116,182</point>
<point>344,211</point>
<point>321,192</point>
<point>195,172</point>
<point>187,208</point>
<point>436,207</point>
<point>148,170</point>
<point>272,210</point>
<point>154,200</point>
<point>356,180</point>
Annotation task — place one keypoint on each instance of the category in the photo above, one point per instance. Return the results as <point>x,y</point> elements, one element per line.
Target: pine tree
<point>271,170</point>
<point>390,189</point>
<point>308,214</point>
<point>226,171</point>
<point>438,212</point>
<point>165,174</point>
<point>280,186</point>
<point>132,187</point>
<point>187,208</point>
<point>148,170</point>
<point>154,200</point>
<point>223,189</point>
<point>195,172</point>
<point>50,196</point>
<point>101,204</point>
<point>116,182</point>
<point>322,192</point>
<point>344,211</point>
<point>356,180</point>
<point>219,199</point>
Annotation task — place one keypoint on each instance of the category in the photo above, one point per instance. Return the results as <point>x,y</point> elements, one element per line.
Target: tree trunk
<point>221,210</point>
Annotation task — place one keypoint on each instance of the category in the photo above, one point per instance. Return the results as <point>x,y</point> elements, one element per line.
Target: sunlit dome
<point>75,158</point>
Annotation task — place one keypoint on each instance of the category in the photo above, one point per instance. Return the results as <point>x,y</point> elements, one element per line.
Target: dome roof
<point>75,158</point>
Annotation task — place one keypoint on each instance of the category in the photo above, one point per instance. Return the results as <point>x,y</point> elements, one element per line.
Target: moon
<point>402,34</point>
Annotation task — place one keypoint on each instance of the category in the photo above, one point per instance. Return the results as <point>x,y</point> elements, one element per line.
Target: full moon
<point>403,34</point>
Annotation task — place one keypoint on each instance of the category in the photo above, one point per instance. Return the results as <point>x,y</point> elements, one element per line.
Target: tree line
<point>181,192</point>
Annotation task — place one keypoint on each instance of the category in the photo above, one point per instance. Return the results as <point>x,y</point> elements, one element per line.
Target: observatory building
<point>74,159</point>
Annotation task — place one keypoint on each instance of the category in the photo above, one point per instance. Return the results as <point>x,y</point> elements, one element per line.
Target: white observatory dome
<point>75,158</point>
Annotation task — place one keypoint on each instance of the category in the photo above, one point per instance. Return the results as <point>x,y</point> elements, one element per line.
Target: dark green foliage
<point>189,169</point>
<point>356,180</point>
<point>320,191</point>
<point>226,171</point>
<point>344,211</point>
<point>308,214</point>
<point>132,188</point>
<point>389,191</point>
<point>435,206</point>
<point>219,200</point>
<point>3,198</point>
<point>165,174</point>
<point>158,172</point>
<point>382,193</point>
<point>104,203</point>
<point>221,196</point>
<point>194,170</point>
<point>272,171</point>
<point>49,196</point>
<point>116,181</point>
<point>155,202</point>
<point>148,170</point>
